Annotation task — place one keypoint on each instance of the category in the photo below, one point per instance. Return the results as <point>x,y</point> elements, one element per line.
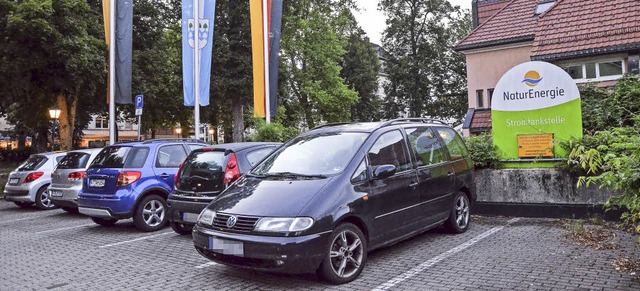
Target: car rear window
<point>32,163</point>
<point>121,157</point>
<point>199,162</point>
<point>74,161</point>
<point>255,156</point>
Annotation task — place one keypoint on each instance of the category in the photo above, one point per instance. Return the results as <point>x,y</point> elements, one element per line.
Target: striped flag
<point>123,47</point>
<point>266,22</point>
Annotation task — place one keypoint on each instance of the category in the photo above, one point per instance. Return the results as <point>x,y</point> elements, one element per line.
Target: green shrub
<point>483,153</point>
<point>273,132</point>
<point>14,156</point>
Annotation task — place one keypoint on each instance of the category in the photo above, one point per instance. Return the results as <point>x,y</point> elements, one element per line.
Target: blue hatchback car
<point>133,180</point>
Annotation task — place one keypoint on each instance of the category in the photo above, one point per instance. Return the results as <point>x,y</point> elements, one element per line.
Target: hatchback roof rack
<point>172,139</point>
<point>414,119</point>
<point>331,124</point>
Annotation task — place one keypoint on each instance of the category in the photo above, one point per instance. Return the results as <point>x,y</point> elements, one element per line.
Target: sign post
<point>139,100</point>
<point>535,106</point>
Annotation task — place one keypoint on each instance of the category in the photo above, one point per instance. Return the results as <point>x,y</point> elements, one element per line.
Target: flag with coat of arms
<point>202,28</point>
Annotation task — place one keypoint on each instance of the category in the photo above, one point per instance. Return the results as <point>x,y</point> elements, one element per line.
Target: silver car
<point>66,180</point>
<point>28,183</point>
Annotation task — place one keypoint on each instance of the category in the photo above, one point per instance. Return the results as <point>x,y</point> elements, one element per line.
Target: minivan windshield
<point>313,155</point>
<point>32,163</point>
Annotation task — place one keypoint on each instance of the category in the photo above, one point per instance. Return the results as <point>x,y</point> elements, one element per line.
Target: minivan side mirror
<point>384,171</point>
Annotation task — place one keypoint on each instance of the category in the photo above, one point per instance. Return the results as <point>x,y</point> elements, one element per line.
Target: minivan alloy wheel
<point>462,211</point>
<point>346,254</point>
<point>153,213</point>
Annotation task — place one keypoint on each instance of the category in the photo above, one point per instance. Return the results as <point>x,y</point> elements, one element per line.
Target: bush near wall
<point>483,153</point>
<point>273,132</point>
<point>14,156</point>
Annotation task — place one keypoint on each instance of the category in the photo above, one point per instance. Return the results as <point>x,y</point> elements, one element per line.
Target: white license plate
<point>55,193</point>
<point>14,181</point>
<point>96,183</point>
<point>226,247</point>
<point>189,217</point>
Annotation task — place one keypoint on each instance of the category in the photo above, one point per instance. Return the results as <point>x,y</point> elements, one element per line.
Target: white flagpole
<point>265,40</point>
<point>112,72</point>
<point>196,67</point>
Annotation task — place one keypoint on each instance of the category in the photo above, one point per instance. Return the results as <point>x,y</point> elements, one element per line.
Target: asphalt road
<point>53,250</point>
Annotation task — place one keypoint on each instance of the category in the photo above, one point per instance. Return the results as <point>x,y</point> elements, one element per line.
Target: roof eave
<point>587,52</point>
<point>462,48</point>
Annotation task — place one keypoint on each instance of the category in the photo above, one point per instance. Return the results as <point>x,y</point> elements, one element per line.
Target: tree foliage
<point>426,77</point>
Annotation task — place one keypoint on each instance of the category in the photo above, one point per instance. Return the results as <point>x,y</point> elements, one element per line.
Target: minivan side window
<point>390,149</point>
<point>426,146</point>
<point>455,144</point>
<point>170,156</point>
<point>360,174</point>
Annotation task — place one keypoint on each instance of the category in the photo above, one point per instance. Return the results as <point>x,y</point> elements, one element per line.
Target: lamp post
<point>179,132</point>
<point>54,113</point>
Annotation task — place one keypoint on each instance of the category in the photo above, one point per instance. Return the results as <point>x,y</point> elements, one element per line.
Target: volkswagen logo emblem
<point>231,222</point>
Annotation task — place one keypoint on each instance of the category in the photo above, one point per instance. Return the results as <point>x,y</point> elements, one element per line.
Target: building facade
<point>596,41</point>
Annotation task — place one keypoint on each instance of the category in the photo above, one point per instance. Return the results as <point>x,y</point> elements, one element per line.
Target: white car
<point>28,183</point>
<point>66,180</point>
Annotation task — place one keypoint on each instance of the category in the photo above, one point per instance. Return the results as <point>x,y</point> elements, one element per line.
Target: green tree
<point>52,52</point>
<point>360,70</point>
<point>312,51</point>
<point>426,77</point>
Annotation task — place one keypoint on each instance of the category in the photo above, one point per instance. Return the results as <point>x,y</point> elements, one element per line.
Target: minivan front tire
<point>345,255</point>
<point>151,213</point>
<point>181,228</point>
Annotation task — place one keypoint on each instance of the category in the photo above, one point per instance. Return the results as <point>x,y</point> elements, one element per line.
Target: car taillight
<point>32,177</point>
<point>127,178</point>
<point>232,173</point>
<point>76,176</point>
<point>176,180</point>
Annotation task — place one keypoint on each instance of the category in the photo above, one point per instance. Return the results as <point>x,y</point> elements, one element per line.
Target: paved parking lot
<point>58,251</point>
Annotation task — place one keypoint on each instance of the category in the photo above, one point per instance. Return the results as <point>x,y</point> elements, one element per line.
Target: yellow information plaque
<point>535,145</point>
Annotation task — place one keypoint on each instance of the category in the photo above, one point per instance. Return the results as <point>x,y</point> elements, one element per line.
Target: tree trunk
<point>153,133</point>
<point>227,126</point>
<point>238,120</point>
<point>66,122</point>
<point>41,140</point>
<point>22,140</point>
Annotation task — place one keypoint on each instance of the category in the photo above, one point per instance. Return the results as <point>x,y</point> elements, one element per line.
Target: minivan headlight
<point>284,224</point>
<point>206,217</point>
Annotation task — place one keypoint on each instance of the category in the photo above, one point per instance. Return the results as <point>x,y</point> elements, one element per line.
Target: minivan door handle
<point>164,175</point>
<point>413,185</point>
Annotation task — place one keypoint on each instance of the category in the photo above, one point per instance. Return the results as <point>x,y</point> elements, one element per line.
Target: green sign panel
<point>535,98</point>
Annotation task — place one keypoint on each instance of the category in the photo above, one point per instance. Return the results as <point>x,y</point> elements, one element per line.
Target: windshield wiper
<point>295,175</point>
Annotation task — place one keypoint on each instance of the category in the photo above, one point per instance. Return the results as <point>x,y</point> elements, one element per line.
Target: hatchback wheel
<point>345,256</point>
<point>458,221</point>
<point>108,222</point>
<point>43,202</point>
<point>23,204</point>
<point>181,228</point>
<point>151,213</point>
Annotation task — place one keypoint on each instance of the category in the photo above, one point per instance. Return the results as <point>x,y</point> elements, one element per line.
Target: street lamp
<point>54,113</point>
<point>179,132</point>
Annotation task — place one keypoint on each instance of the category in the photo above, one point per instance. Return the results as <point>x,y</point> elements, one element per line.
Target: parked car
<point>28,183</point>
<point>66,179</point>
<point>207,172</point>
<point>133,180</point>
<point>325,199</point>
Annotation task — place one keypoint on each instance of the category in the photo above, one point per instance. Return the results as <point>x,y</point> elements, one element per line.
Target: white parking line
<point>134,240</point>
<point>206,265</point>
<point>64,228</point>
<point>439,258</point>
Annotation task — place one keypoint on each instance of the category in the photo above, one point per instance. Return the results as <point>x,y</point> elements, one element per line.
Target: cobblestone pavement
<point>59,251</point>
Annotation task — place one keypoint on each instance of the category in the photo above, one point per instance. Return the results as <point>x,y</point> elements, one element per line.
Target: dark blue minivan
<point>133,180</point>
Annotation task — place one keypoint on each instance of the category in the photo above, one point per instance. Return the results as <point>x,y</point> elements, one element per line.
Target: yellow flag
<point>257,44</point>
<point>106,13</point>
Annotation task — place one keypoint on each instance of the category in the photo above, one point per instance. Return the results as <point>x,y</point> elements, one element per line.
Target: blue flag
<point>204,32</point>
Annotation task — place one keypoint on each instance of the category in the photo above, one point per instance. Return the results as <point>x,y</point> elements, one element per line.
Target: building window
<point>102,122</point>
<point>490,93</point>
<point>596,71</point>
<point>479,99</point>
